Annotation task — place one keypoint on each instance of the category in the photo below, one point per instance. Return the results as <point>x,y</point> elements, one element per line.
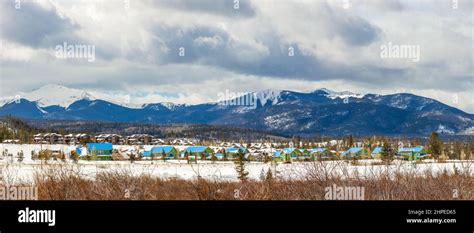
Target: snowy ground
<point>16,172</point>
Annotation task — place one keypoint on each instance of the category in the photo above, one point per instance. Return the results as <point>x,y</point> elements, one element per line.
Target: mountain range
<point>322,112</point>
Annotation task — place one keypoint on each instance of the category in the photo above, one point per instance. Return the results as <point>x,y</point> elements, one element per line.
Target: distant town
<point>146,147</point>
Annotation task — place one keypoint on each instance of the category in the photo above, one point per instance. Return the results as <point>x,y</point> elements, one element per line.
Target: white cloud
<point>242,50</point>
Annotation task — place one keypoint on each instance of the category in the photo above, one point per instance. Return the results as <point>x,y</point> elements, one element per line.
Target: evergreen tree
<point>133,157</point>
<point>269,175</point>
<point>387,154</point>
<point>224,155</point>
<point>458,149</point>
<point>240,167</point>
<point>434,145</point>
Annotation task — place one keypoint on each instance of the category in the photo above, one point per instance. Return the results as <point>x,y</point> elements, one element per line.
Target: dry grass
<point>61,183</point>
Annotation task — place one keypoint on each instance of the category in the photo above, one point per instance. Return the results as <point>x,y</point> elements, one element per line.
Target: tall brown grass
<point>66,183</point>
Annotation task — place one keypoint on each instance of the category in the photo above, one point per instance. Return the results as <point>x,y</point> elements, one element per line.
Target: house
<point>110,138</point>
<point>377,152</point>
<point>76,138</point>
<point>279,156</point>
<point>146,154</point>
<point>412,153</point>
<point>157,151</point>
<point>81,151</point>
<point>306,154</point>
<point>183,141</point>
<point>11,141</point>
<point>157,141</point>
<point>38,138</point>
<point>69,139</point>
<point>293,152</point>
<point>197,151</point>
<point>139,139</point>
<point>235,150</point>
<point>219,156</point>
<point>231,152</point>
<point>48,138</point>
<point>82,137</point>
<point>358,152</point>
<point>100,151</point>
<point>287,154</point>
<point>320,153</point>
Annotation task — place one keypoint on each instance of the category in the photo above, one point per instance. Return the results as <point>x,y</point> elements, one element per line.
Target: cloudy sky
<point>240,46</point>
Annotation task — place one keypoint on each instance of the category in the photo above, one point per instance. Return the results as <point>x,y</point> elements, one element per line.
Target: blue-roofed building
<point>235,150</point>
<point>197,152</point>
<point>377,152</point>
<point>320,153</point>
<point>170,152</point>
<point>355,152</point>
<point>279,156</point>
<point>317,150</point>
<point>231,152</point>
<point>101,151</point>
<point>305,152</point>
<point>82,152</point>
<point>287,154</point>
<point>412,153</point>
<point>293,152</point>
<point>146,153</point>
<point>219,156</point>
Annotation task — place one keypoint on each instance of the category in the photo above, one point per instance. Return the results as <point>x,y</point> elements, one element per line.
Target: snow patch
<point>341,95</point>
<point>468,131</point>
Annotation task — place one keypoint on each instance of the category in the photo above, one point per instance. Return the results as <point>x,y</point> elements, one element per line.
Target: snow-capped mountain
<point>49,95</point>
<point>321,111</point>
<point>55,95</point>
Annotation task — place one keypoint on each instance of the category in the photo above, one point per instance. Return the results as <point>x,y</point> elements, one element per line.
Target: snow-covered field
<point>16,172</point>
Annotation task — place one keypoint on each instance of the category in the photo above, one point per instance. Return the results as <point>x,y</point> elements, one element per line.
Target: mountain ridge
<point>321,111</point>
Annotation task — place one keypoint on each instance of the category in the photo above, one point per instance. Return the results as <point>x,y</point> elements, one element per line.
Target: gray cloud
<point>215,47</point>
<point>139,48</point>
<point>354,30</point>
<point>227,8</point>
<point>33,25</point>
<point>385,5</point>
